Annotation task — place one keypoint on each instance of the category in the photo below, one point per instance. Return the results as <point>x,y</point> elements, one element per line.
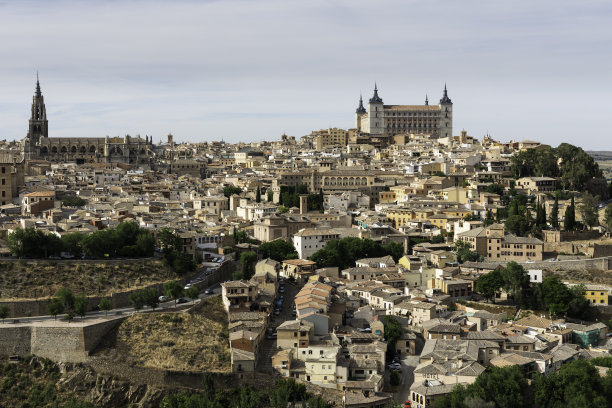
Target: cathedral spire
<point>376,98</point>
<point>38,93</point>
<point>38,126</point>
<point>360,108</point>
<point>426,100</point>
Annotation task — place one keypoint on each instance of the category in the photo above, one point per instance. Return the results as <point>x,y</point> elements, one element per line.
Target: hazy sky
<point>251,70</point>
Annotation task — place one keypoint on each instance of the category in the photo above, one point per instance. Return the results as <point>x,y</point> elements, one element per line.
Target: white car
<point>163,298</point>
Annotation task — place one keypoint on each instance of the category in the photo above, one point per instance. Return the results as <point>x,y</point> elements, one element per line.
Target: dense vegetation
<point>290,197</point>
<point>344,252</point>
<point>73,202</point>
<point>576,169</point>
<point>125,240</point>
<point>171,244</point>
<point>577,384</point>
<point>551,295</point>
<point>279,250</point>
<point>285,393</point>
<point>31,384</point>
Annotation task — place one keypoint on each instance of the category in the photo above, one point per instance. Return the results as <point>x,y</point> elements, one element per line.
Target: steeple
<point>426,100</point>
<point>375,98</point>
<point>445,99</point>
<point>38,94</point>
<point>360,108</point>
<point>38,126</point>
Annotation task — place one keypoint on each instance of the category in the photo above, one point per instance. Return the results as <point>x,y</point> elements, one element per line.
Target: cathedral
<point>39,146</point>
<point>391,120</point>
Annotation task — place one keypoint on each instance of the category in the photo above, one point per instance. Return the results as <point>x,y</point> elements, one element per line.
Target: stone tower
<point>446,112</point>
<point>39,127</point>
<point>359,113</point>
<point>376,114</point>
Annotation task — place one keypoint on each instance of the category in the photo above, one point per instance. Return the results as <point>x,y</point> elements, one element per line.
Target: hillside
<point>196,340</point>
<point>36,279</point>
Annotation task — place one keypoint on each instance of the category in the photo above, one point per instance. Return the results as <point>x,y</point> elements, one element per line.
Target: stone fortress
<point>390,120</point>
<point>80,150</point>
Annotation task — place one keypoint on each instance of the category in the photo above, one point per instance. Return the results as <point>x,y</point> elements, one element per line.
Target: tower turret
<point>359,113</point>
<point>376,118</point>
<point>38,126</point>
<point>446,112</point>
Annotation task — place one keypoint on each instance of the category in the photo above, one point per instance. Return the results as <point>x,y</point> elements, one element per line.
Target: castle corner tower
<point>446,118</point>
<point>376,113</point>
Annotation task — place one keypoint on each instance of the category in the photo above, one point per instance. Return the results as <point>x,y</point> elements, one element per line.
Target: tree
<point>173,290</point>
<point>150,297</point>
<point>258,195</point>
<point>395,249</point>
<point>192,293</point>
<point>577,384</point>
<point>230,190</point>
<point>393,331</point>
<point>4,312</point>
<point>80,305</point>
<point>105,304</point>
<point>137,299</point>
<point>554,214</point>
<point>465,253</point>
<point>588,210</point>
<point>55,307</point>
<point>395,378</point>
<point>33,243</point>
<point>495,189</point>
<point>489,284</point>
<point>168,240</point>
<point>67,298</point>
<point>518,225</point>
<point>270,195</point>
<point>247,264</point>
<point>515,280</point>
<point>73,202</point>
<point>569,220</point>
<point>279,250</point>
<point>72,243</point>
<point>609,217</point>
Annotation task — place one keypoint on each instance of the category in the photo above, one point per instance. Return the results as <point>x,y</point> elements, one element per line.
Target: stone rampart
<point>58,341</point>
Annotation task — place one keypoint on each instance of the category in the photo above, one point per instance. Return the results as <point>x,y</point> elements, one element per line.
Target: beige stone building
<point>381,119</point>
<point>492,243</point>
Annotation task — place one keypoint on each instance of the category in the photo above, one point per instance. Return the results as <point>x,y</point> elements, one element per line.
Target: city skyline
<point>244,72</point>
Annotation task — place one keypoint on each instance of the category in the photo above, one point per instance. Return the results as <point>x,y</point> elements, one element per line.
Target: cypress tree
<point>258,195</point>
<point>554,214</point>
<point>569,222</point>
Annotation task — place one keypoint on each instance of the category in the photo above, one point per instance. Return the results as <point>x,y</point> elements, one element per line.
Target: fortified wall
<point>57,341</point>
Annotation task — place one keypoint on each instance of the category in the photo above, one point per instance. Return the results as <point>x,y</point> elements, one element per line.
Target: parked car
<point>208,291</point>
<point>181,300</point>
<point>163,298</point>
<point>187,286</point>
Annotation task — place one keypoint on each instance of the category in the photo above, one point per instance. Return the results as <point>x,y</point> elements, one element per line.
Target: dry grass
<point>192,341</point>
<point>36,279</point>
<point>584,276</point>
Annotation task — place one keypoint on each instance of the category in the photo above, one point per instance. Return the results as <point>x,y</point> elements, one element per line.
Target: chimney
<point>303,203</point>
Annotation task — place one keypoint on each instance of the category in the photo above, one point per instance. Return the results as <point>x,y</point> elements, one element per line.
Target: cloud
<point>251,70</point>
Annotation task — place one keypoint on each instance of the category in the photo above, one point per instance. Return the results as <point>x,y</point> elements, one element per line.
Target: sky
<point>251,70</point>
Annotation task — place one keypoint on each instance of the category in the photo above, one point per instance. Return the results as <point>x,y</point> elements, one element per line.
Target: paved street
<point>409,363</point>
<point>268,346</point>
<point>114,312</point>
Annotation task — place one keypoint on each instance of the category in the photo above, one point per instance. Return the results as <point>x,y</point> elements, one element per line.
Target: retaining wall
<point>58,341</point>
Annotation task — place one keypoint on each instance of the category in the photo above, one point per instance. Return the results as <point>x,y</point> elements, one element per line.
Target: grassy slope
<point>193,341</point>
<point>35,279</point>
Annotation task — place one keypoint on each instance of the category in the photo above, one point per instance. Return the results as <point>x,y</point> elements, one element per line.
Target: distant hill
<point>601,154</point>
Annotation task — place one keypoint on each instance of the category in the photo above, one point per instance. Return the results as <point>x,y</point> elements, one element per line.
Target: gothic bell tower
<point>39,126</point>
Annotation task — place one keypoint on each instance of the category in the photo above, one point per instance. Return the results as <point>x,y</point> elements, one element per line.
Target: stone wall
<point>15,340</point>
<point>58,341</point>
